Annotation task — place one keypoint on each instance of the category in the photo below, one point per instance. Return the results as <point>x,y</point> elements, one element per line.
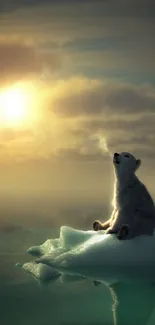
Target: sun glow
<point>13,106</point>
<point>18,105</point>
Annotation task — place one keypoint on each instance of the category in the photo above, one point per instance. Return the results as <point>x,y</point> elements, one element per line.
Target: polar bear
<point>133,208</point>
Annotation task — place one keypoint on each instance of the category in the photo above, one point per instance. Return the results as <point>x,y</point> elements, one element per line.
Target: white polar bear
<point>133,208</point>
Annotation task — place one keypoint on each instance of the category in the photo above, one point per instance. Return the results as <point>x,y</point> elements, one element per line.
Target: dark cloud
<point>135,144</point>
<point>107,99</point>
<point>144,123</point>
<point>129,99</point>
<point>131,134</point>
<point>106,36</point>
<point>136,8</point>
<point>19,61</point>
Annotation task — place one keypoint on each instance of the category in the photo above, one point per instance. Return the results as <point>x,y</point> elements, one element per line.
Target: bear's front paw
<point>97,225</point>
<point>123,233</point>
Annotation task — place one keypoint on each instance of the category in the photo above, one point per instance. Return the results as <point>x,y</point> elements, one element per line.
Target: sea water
<point>25,301</point>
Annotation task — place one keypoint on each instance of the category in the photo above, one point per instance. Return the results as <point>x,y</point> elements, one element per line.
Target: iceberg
<point>97,256</point>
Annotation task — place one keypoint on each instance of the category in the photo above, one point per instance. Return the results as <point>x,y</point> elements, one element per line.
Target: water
<point>23,301</point>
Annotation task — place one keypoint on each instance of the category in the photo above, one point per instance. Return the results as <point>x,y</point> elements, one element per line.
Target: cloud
<point>107,36</point>
<point>78,155</point>
<point>8,134</point>
<point>133,134</point>
<point>87,150</point>
<point>19,60</point>
<point>97,6</point>
<point>126,58</point>
<point>123,114</point>
<point>144,122</point>
<point>94,98</point>
<point>64,17</point>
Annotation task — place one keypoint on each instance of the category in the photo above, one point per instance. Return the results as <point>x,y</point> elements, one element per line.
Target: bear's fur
<point>133,208</point>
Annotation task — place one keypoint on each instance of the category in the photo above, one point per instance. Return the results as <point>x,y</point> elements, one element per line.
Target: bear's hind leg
<point>123,233</point>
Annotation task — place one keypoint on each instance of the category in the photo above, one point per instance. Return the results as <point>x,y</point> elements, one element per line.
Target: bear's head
<point>125,163</point>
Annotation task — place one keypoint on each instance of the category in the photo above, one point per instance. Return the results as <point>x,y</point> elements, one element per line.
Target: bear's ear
<point>138,163</point>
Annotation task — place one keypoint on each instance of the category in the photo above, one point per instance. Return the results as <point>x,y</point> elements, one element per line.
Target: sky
<point>90,65</point>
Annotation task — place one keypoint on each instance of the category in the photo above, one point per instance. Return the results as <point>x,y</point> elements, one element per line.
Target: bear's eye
<point>127,156</point>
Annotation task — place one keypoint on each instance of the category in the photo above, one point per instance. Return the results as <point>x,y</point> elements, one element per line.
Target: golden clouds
<point>74,110</point>
<point>85,97</point>
<point>68,54</point>
<point>113,109</point>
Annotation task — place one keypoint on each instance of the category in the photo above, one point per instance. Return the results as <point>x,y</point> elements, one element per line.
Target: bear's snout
<point>116,158</point>
<point>116,154</point>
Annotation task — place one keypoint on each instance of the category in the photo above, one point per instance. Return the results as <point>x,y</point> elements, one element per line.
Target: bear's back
<point>134,196</point>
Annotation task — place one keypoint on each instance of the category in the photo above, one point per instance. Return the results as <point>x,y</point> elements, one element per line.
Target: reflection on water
<point>24,301</point>
<point>136,303</point>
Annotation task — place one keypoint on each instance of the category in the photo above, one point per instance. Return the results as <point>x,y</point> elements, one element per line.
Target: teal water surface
<point>23,301</point>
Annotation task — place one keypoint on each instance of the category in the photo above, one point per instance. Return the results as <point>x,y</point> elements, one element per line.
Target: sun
<point>13,106</point>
